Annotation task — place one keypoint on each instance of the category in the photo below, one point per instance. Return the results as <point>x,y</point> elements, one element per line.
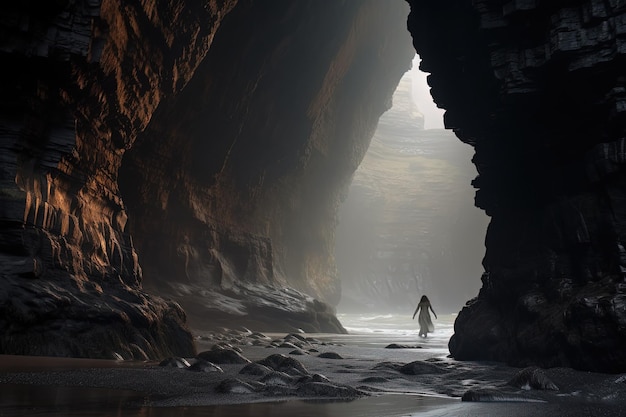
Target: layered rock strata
<point>231,130</point>
<point>538,89</point>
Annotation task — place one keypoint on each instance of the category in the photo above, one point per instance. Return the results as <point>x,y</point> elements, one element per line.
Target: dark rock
<point>234,386</point>
<point>420,368</point>
<point>102,168</point>
<point>282,363</point>
<point>532,378</point>
<point>255,369</point>
<point>222,356</point>
<point>298,337</point>
<point>330,355</point>
<point>288,345</point>
<point>277,378</point>
<point>389,365</point>
<point>313,378</point>
<point>323,389</point>
<point>201,365</point>
<point>397,346</point>
<point>492,395</point>
<point>227,346</point>
<point>552,290</point>
<point>175,363</point>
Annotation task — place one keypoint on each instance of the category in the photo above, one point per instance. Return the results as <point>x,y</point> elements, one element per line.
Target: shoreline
<point>359,372</point>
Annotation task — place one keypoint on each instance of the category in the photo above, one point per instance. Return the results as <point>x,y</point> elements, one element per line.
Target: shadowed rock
<point>234,386</point>
<point>280,362</point>
<point>201,365</point>
<point>223,356</point>
<point>322,389</point>
<point>288,345</point>
<point>277,378</point>
<point>491,395</point>
<point>419,368</point>
<point>532,378</point>
<point>227,346</point>
<point>314,378</point>
<point>389,365</point>
<point>397,346</point>
<point>255,369</point>
<point>330,355</point>
<point>175,362</point>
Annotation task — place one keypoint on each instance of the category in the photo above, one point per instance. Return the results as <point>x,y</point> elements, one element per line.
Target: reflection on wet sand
<point>50,401</point>
<point>420,380</point>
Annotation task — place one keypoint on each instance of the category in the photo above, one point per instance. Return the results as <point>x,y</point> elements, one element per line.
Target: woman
<point>426,324</point>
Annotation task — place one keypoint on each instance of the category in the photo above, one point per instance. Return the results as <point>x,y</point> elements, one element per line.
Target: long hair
<point>424,299</point>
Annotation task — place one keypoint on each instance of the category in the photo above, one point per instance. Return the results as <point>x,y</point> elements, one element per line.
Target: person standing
<point>426,324</point>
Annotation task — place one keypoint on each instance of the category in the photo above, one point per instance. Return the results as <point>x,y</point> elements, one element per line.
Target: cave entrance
<point>408,225</point>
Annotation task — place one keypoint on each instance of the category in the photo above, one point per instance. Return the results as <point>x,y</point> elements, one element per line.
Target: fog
<point>409,226</point>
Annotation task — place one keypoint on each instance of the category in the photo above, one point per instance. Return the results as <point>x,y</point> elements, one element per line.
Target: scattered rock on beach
<point>330,355</point>
<point>389,365</point>
<point>420,368</point>
<point>532,378</point>
<point>397,346</point>
<point>322,389</point>
<point>288,345</point>
<point>175,362</point>
<point>223,356</point>
<point>492,395</point>
<point>201,365</point>
<point>255,369</point>
<point>280,362</point>
<point>234,386</point>
<point>277,378</point>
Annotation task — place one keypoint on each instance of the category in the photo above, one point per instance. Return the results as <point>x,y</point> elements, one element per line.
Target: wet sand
<point>79,387</point>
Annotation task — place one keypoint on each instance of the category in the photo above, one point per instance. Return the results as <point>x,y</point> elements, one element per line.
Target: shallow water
<point>367,331</point>
<point>376,330</point>
<point>22,400</point>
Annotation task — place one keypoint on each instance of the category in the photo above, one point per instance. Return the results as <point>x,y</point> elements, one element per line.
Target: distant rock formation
<point>408,225</point>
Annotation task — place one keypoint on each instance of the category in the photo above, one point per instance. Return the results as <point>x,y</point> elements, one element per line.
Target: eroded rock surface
<point>147,146</point>
<point>538,89</point>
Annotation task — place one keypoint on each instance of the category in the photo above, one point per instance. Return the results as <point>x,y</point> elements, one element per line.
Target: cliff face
<point>237,180</point>
<point>538,89</point>
<point>200,149</point>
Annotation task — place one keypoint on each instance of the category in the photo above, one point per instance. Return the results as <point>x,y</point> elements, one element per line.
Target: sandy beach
<point>372,371</point>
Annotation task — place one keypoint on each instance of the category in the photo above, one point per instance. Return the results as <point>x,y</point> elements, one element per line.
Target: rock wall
<point>236,182</point>
<point>201,149</point>
<point>538,89</point>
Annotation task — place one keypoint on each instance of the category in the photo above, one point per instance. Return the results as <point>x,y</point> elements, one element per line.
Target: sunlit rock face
<point>408,226</point>
<point>200,149</point>
<point>539,90</point>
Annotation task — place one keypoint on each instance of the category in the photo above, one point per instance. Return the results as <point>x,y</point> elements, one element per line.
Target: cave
<point>172,165</point>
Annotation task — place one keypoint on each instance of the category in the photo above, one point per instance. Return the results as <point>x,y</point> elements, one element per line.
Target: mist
<point>409,226</point>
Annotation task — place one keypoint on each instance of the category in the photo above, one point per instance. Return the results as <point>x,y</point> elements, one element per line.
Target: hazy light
<point>433,116</point>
